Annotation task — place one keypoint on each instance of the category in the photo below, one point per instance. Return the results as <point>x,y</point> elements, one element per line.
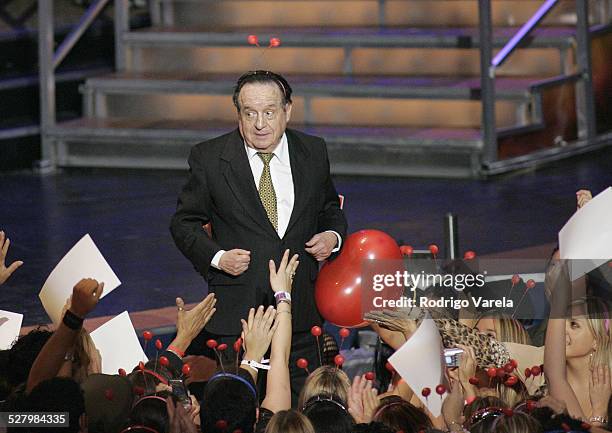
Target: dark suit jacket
<point>221,190</point>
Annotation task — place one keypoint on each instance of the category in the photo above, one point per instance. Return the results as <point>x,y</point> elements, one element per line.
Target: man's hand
<point>257,332</point>
<point>5,272</point>
<point>321,245</point>
<point>85,296</point>
<point>189,323</point>
<point>282,279</point>
<point>235,261</point>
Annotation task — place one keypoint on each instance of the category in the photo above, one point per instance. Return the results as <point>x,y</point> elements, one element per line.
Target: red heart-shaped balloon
<point>339,293</point>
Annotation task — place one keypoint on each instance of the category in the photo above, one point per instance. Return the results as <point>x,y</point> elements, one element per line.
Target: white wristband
<point>282,297</point>
<point>256,365</point>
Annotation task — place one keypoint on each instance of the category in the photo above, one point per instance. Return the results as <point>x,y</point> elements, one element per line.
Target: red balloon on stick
<point>252,40</point>
<point>491,372</point>
<point>338,291</point>
<point>186,369</point>
<point>222,347</point>
<point>369,375</point>
<point>237,344</point>
<point>527,372</point>
<point>513,363</point>
<point>508,368</point>
<point>316,331</point>
<point>211,343</point>
<point>275,42</point>
<point>122,372</point>
<point>511,381</point>
<point>344,332</point>
<point>474,380</point>
<point>141,366</point>
<point>433,249</point>
<point>516,278</point>
<point>535,370</point>
<point>406,250</point>
<point>164,361</point>
<point>147,335</point>
<point>302,363</point>
<point>158,344</point>
<point>338,360</point>
<point>440,390</point>
<point>530,284</point>
<point>389,367</point>
<point>469,255</point>
<point>507,411</point>
<point>425,392</point>
<point>531,405</point>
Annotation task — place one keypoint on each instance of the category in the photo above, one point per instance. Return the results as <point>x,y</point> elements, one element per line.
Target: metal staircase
<point>394,86</point>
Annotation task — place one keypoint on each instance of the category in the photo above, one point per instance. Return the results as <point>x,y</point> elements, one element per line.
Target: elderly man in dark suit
<point>264,189</point>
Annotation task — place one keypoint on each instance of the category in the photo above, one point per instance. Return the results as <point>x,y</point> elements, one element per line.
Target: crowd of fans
<point>59,371</point>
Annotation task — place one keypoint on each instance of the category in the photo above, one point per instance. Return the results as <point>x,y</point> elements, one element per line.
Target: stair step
<point>350,37</point>
<point>15,82</point>
<point>247,13</point>
<point>365,150</point>
<point>315,85</point>
<point>193,131</point>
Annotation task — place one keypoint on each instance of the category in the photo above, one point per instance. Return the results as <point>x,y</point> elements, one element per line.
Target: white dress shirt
<point>282,180</point>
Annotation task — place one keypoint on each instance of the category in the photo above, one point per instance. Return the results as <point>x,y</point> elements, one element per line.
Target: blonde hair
<point>599,324</point>
<point>325,380</point>
<point>289,421</point>
<point>510,330</point>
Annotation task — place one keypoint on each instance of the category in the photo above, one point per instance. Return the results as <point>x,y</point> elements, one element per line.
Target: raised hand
<point>85,296</point>
<point>399,320</point>
<point>189,323</point>
<point>257,332</point>
<point>282,279</point>
<point>583,196</point>
<point>5,272</point>
<point>600,389</point>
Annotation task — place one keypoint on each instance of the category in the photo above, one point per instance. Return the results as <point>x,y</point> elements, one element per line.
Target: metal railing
<point>585,105</point>
<point>50,59</point>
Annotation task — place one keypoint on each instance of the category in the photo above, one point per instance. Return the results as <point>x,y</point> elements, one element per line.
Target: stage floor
<point>127,213</point>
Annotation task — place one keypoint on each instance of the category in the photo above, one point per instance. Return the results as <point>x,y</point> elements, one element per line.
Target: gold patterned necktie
<point>266,190</point>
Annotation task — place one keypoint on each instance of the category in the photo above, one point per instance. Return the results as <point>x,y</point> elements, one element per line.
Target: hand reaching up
<point>257,332</point>
<point>362,400</point>
<point>282,279</point>
<point>85,297</point>
<point>189,323</point>
<point>5,272</point>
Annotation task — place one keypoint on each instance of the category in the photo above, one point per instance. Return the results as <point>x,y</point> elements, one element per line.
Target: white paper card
<point>588,235</point>
<point>10,325</point>
<point>118,344</point>
<point>419,363</point>
<point>84,260</point>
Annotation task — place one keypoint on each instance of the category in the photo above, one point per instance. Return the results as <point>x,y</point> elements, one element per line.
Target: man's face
<point>262,118</point>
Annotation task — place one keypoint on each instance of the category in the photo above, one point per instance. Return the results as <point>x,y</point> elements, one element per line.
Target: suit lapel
<point>239,177</point>
<point>298,156</point>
